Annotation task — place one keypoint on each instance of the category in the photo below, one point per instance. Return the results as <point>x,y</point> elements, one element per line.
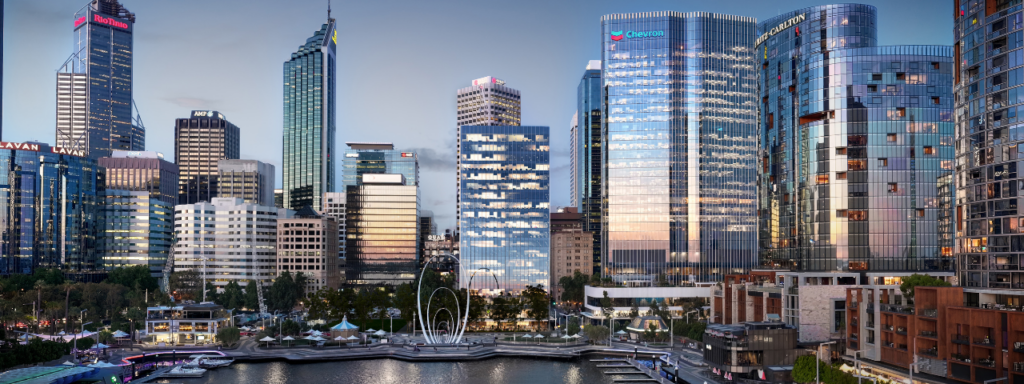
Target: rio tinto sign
<point>779,28</point>
<point>102,20</point>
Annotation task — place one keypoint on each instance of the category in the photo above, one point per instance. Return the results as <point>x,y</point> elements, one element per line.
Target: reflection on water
<point>501,370</point>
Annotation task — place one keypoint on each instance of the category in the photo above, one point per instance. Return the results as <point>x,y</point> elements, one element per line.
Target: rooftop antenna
<point>328,9</point>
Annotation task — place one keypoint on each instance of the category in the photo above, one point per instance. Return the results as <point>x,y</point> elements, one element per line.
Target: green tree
<point>318,304</point>
<point>137,277</point>
<point>209,293</point>
<point>596,333</point>
<point>405,301</point>
<point>696,331</point>
<point>106,337</point>
<point>290,328</point>
<point>634,310</point>
<point>286,291</point>
<point>499,310</point>
<point>228,335</point>
<point>573,287</point>
<point>539,306</point>
<point>477,308</point>
<point>916,280</point>
<point>186,285</point>
<point>250,300</point>
<point>573,327</point>
<point>363,306</point>
<point>232,297</point>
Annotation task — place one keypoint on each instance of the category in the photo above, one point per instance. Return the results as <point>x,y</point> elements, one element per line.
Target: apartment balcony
<point>1018,347</point>
<point>853,336</point>
<point>932,352</point>
<point>930,334</point>
<point>887,327</point>
<point>1018,366</point>
<point>988,362</point>
<point>793,290</point>
<point>960,339</point>
<point>984,341</point>
<point>854,305</point>
<point>870,307</point>
<point>901,331</point>
<point>932,313</point>
<point>960,358</point>
<point>870,325</point>
<point>901,309</point>
<point>853,345</point>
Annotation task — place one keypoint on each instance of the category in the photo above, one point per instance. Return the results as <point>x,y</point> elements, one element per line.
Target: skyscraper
<point>679,139</point>
<point>986,79</point>
<point>588,155</point>
<point>309,120</point>
<point>364,158</point>
<point>251,180</point>
<point>382,230</point>
<point>856,144</point>
<point>335,206</point>
<point>307,243</point>
<point>200,142</point>
<point>487,102</point>
<point>137,228</point>
<point>142,171</point>
<point>504,206</point>
<point>94,86</point>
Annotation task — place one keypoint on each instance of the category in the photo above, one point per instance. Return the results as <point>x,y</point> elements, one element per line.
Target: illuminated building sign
<point>35,148</point>
<point>779,28</point>
<point>488,79</point>
<point>207,114</point>
<point>335,37</point>
<point>406,154</point>
<point>79,21</point>
<point>616,36</point>
<point>435,238</point>
<point>109,21</point>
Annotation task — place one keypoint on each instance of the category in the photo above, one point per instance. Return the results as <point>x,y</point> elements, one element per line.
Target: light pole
<point>856,365</point>
<point>817,361</point>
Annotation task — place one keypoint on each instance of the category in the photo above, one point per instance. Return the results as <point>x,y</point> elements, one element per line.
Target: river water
<point>497,370</point>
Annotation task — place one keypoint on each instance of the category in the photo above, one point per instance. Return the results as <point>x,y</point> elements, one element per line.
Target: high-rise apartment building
<point>94,86</point>
<point>335,207</point>
<point>987,75</point>
<point>145,171</point>
<point>51,210</point>
<point>309,120</point>
<point>571,248</point>
<point>382,230</point>
<point>487,102</point>
<point>200,142</point>
<point>307,243</point>
<point>856,143</point>
<point>137,228</point>
<point>251,180</point>
<point>587,156</point>
<point>573,164</point>
<point>363,158</point>
<point>679,171</point>
<point>504,184</point>
<point>227,239</point>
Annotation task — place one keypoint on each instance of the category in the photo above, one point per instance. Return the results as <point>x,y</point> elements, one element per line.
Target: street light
<point>817,362</point>
<point>856,365</point>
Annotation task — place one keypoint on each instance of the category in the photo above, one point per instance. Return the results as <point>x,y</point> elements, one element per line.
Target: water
<point>497,370</point>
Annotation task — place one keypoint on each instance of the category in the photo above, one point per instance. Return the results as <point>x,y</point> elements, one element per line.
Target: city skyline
<point>246,83</point>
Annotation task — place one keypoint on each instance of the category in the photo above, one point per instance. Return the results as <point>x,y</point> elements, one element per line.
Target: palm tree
<point>67,296</point>
<point>39,285</point>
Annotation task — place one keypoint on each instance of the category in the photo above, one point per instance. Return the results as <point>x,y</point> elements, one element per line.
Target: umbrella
<point>67,362</point>
<point>267,339</point>
<point>566,337</point>
<point>353,338</point>
<point>339,338</point>
<point>576,336</point>
<point>100,346</point>
<point>371,330</point>
<point>539,336</point>
<point>310,337</point>
<point>527,336</point>
<point>620,332</point>
<point>102,364</point>
<point>316,333</point>
<point>120,334</point>
<point>62,333</point>
<point>318,338</point>
<point>380,333</point>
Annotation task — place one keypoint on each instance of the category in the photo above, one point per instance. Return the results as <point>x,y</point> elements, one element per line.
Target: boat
<point>209,361</point>
<point>185,371</point>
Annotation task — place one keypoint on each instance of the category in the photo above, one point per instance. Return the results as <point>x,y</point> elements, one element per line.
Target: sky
<point>400,63</point>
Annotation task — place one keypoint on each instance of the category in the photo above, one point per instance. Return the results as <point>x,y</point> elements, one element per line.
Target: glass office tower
<point>505,201</point>
<point>588,156</point>
<point>94,86</point>
<point>363,158</point>
<point>382,231</point>
<point>989,134</point>
<point>309,120</point>
<point>49,209</point>
<point>200,143</point>
<point>855,145</point>
<point>679,146</point>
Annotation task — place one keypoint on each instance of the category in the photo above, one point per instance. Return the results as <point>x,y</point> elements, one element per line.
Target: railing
<point>928,334</point>
<point>929,352</point>
<point>853,345</point>
<point>983,341</point>
<point>960,339</point>
<point>901,331</point>
<point>870,307</point>
<point>870,325</point>
<point>854,323</point>
<point>1018,346</point>
<point>987,362</point>
<point>1018,366</point>
<point>853,336</point>
<point>716,292</point>
<point>933,313</point>
<point>959,357</point>
<point>886,327</point>
<point>902,347</point>
<point>794,290</point>
<point>854,305</point>
<point>897,309</point>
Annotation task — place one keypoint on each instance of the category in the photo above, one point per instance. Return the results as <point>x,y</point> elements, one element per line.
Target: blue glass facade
<point>361,161</point>
<point>49,213</point>
<point>505,201</point>
<point>309,120</point>
<point>990,144</point>
<point>679,146</point>
<point>103,52</point>
<point>856,144</point>
<point>588,157</point>
<point>137,229</point>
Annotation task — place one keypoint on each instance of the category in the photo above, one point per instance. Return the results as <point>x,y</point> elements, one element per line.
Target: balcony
<point>854,305</point>
<point>870,325</point>
<point>960,339</point>
<point>793,290</point>
<point>901,331</point>
<point>1018,347</point>
<point>960,358</point>
<point>887,327</point>
<point>869,307</point>
<point>1018,366</point>
<point>986,341</point>
<point>853,336</point>
<point>932,352</point>
<point>988,362</point>
<point>898,309</point>
<point>932,313</point>
<point>930,334</point>
<point>853,345</point>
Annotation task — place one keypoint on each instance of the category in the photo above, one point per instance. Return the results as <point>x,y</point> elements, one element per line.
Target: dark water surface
<point>497,370</point>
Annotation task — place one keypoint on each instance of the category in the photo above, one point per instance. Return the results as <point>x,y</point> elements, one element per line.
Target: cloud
<point>192,102</point>
<point>434,160</point>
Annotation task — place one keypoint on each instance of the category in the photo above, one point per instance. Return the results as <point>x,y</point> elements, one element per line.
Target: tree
<point>696,331</point>
<point>317,305</point>
<point>537,300</point>
<point>232,297</point>
<point>251,299</point>
<point>363,306</point>
<point>405,301</point>
<point>285,293</point>
<point>210,293</point>
<point>477,308</point>
<point>596,333</point>
<point>573,287</point>
<point>106,337</point>
<point>289,327</point>
<point>228,335</point>
<point>573,327</point>
<point>137,277</point>
<point>499,310</point>
<point>634,310</point>
<point>186,285</point>
<point>916,280</point>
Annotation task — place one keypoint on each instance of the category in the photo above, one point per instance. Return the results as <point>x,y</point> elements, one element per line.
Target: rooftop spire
<point>328,10</point>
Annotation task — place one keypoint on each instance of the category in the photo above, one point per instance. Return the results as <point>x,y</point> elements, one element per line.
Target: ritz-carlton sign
<point>779,28</point>
<point>35,148</point>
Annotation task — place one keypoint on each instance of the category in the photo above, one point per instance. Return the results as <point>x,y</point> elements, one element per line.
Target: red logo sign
<point>79,21</point>
<point>406,154</point>
<point>109,21</point>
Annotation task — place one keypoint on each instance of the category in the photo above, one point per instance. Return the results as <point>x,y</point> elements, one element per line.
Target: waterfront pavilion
<point>344,329</point>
